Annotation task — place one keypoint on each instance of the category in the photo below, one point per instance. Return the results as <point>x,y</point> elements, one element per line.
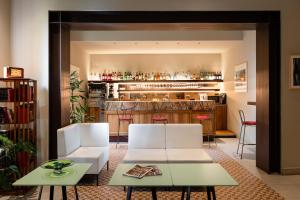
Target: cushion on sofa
<point>94,134</point>
<point>146,136</point>
<point>145,155</point>
<point>97,156</point>
<point>188,155</point>
<point>68,140</point>
<point>184,136</point>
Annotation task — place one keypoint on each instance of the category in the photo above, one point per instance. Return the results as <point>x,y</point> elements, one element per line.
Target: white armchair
<point>85,143</point>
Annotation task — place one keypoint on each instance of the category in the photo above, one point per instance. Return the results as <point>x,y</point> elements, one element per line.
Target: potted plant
<point>79,107</point>
<point>25,152</point>
<point>8,169</point>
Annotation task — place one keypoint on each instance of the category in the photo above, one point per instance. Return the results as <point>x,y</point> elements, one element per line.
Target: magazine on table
<point>139,171</point>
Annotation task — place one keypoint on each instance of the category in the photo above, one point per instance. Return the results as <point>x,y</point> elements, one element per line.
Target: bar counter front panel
<point>177,111</point>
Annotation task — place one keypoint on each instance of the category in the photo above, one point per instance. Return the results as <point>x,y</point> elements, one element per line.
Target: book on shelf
<point>6,94</point>
<point>6,115</point>
<point>24,115</point>
<point>139,171</point>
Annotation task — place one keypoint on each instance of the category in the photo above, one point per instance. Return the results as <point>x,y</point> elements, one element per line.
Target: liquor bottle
<point>109,75</point>
<point>104,75</point>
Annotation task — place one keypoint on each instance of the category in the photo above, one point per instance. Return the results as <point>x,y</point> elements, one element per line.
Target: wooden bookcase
<point>18,112</point>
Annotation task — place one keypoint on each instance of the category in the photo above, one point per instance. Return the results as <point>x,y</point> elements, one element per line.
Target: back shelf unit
<point>18,111</point>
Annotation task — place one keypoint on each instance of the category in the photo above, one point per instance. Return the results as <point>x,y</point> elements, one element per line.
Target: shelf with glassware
<point>110,75</point>
<point>18,106</point>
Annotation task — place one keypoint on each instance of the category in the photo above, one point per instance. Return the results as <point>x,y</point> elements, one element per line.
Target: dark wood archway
<point>266,23</point>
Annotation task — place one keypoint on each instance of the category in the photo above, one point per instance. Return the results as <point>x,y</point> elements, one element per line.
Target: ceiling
<point>155,42</point>
<point>155,47</point>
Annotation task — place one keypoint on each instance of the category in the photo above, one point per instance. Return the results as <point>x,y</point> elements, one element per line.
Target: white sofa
<point>85,143</point>
<point>166,143</point>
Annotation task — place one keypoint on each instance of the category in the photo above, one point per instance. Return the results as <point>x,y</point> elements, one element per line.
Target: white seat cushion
<point>188,155</point>
<point>146,136</point>
<point>145,155</point>
<point>183,136</point>
<point>95,155</point>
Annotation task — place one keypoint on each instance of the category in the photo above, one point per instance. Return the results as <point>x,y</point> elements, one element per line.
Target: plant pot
<point>23,161</point>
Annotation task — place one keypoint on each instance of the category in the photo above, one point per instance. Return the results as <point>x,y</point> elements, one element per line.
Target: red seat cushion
<point>159,118</point>
<point>250,123</point>
<point>125,117</point>
<point>202,117</point>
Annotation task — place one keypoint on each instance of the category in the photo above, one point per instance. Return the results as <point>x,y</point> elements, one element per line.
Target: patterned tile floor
<point>250,187</point>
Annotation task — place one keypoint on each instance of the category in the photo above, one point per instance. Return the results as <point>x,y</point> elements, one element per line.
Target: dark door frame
<point>266,23</point>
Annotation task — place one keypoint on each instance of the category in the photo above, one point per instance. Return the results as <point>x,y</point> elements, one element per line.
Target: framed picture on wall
<point>240,77</point>
<point>294,74</point>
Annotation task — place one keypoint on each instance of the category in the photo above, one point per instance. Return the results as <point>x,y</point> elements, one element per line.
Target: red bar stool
<point>159,119</point>
<point>244,124</point>
<point>201,119</point>
<point>157,116</point>
<point>124,115</point>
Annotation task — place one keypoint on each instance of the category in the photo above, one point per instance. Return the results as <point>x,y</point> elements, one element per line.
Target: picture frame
<point>241,77</point>
<point>294,72</point>
<point>14,72</point>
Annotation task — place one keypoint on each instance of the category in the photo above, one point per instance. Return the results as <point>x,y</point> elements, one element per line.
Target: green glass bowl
<point>57,164</point>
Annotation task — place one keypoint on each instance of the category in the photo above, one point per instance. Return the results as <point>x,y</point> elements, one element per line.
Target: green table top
<point>118,179</point>
<point>200,174</point>
<point>41,176</point>
<point>179,174</point>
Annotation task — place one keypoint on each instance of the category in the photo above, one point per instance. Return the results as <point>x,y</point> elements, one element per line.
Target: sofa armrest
<point>68,140</point>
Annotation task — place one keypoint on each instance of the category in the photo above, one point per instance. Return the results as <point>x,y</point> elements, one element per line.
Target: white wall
<point>245,52</point>
<point>156,62</point>
<point>30,49</point>
<point>80,59</point>
<point>4,34</point>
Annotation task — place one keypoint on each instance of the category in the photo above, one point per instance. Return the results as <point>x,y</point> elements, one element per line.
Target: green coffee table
<point>185,175</point>
<point>206,175</point>
<point>118,179</point>
<point>41,177</point>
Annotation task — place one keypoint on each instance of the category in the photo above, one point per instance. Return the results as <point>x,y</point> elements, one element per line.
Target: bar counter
<point>177,111</point>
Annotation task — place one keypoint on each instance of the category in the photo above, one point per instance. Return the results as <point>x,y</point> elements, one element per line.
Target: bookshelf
<point>18,109</point>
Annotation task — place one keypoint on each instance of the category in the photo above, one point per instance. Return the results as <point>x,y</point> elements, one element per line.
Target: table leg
<point>51,192</point>
<point>64,192</point>
<point>188,193</point>
<point>40,192</point>
<point>154,196</point>
<point>208,193</point>
<point>183,193</point>
<point>213,193</point>
<point>129,191</point>
<point>76,193</point>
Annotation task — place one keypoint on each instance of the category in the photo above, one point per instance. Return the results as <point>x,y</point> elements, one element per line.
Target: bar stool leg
<point>243,144</point>
<point>118,134</point>
<point>237,151</point>
<point>215,140</point>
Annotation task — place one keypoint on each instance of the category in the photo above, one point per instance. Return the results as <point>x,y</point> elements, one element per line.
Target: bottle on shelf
<point>104,77</point>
